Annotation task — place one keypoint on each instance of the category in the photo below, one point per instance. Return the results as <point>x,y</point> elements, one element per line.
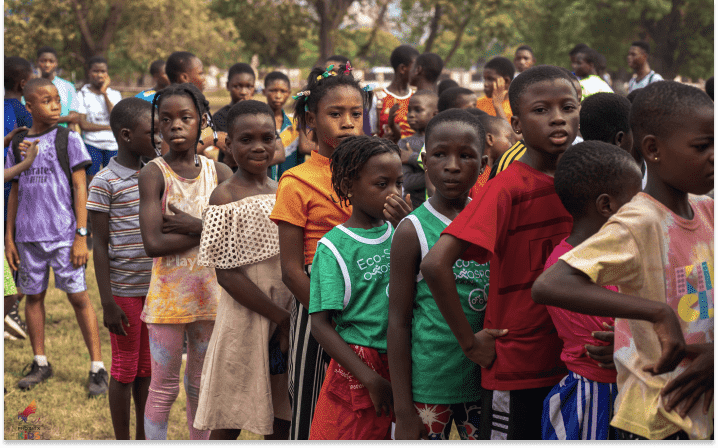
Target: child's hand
<point>28,151</point>
<point>396,208</point>
<point>673,345</point>
<point>79,253</point>
<point>11,134</point>
<point>406,153</point>
<point>105,84</point>
<point>688,387</point>
<point>114,317</point>
<point>602,353</point>
<point>410,427</point>
<point>381,395</point>
<point>180,222</point>
<point>13,258</point>
<point>500,91</point>
<point>483,352</point>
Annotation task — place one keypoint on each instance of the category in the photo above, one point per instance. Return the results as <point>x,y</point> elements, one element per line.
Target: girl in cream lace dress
<point>237,390</point>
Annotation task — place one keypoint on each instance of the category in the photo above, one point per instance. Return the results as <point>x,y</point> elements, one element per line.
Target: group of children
<point>329,298</point>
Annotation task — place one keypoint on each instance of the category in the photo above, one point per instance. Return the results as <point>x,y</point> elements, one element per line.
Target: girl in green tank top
<point>434,382</point>
<point>350,276</point>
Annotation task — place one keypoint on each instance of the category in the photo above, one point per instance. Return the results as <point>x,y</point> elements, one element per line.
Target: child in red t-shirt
<point>514,222</point>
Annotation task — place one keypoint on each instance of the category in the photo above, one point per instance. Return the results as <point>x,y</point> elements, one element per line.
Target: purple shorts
<point>36,259</point>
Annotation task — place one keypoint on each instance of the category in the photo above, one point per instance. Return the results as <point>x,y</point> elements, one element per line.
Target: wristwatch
<point>82,231</point>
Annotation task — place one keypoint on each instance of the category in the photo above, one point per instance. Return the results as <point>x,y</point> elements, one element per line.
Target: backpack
<point>63,157</point>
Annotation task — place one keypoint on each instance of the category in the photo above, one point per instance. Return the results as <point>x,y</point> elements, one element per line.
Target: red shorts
<point>344,408</point>
<point>131,354</point>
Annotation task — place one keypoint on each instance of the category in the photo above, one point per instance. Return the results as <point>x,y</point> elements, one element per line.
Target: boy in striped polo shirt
<point>122,267</point>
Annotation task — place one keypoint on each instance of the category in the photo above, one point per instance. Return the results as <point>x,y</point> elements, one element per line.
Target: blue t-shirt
<point>147,95</point>
<point>16,115</point>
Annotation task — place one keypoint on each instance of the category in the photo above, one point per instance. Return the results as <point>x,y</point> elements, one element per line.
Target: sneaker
<point>15,324</point>
<point>10,337</point>
<point>97,383</point>
<point>37,375</point>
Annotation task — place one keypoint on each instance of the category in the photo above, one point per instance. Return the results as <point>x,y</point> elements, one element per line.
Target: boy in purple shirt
<point>51,233</point>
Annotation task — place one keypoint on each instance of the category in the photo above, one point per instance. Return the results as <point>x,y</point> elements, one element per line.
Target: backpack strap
<point>61,142</point>
<point>16,140</point>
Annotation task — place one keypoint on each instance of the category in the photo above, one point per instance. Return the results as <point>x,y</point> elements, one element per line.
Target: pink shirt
<point>575,330</point>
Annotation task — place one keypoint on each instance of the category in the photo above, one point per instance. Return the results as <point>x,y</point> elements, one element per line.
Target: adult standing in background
<point>638,61</point>
<point>523,59</point>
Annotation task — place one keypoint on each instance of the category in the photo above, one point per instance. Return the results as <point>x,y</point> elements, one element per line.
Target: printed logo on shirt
<point>467,272</point>
<point>176,260</point>
<point>541,248</point>
<point>694,286</point>
<point>478,298</point>
<point>39,175</point>
<point>375,267</point>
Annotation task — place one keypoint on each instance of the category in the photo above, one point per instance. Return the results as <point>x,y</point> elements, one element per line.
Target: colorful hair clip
<point>368,88</point>
<point>304,93</point>
<point>348,68</point>
<point>327,73</point>
<point>306,108</point>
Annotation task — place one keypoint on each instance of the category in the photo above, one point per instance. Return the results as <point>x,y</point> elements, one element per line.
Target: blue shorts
<point>579,409</point>
<point>36,259</point>
<point>100,159</point>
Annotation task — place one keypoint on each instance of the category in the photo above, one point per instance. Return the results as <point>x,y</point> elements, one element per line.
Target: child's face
<point>453,158</point>
<point>241,87</point>
<point>277,93</point>
<point>413,74</point>
<point>548,116</point>
<point>523,60</point>
<point>339,115</point>
<point>140,138</point>
<point>466,101</point>
<point>44,104</point>
<point>196,74</point>
<point>407,70</point>
<point>380,177</point>
<point>491,76</point>
<point>580,66</point>
<point>179,122</point>
<point>503,138</point>
<point>47,63</point>
<point>421,109</point>
<point>98,74</point>
<point>252,141</point>
<point>685,155</point>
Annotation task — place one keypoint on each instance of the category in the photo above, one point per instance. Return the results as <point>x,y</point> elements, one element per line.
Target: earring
<point>349,195</point>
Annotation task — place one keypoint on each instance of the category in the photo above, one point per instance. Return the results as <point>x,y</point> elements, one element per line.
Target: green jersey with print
<point>440,372</point>
<point>350,278</point>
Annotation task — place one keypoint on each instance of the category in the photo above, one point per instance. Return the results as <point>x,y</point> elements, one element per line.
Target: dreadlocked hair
<point>318,88</point>
<point>351,155</point>
<point>200,103</point>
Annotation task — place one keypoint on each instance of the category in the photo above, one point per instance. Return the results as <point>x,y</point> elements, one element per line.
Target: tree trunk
<point>364,50</point>
<point>457,41</point>
<point>331,13</point>
<point>664,32</point>
<point>90,44</point>
<point>433,29</point>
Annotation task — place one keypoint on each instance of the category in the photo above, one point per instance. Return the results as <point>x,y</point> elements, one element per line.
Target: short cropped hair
<point>446,84</point>
<point>527,48</point>
<point>403,54</point>
<point>656,106</point>
<point>338,58</point>
<point>491,123</point>
<point>127,113</point>
<point>96,60</point>
<point>179,62</point>
<point>476,112</point>
<point>632,95</point>
<point>531,76</point>
<point>603,115</point>
<point>432,65</point>
<point>156,66</point>
<point>589,169</point>
<point>247,107</point>
<point>240,67</point>
<point>643,45</point>
<point>457,116</point>
<point>501,65</point>
<point>34,84</point>
<point>16,70</point>
<point>46,49</point>
<point>578,48</point>
<point>276,76</point>
<point>447,100</point>
<point>709,87</point>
